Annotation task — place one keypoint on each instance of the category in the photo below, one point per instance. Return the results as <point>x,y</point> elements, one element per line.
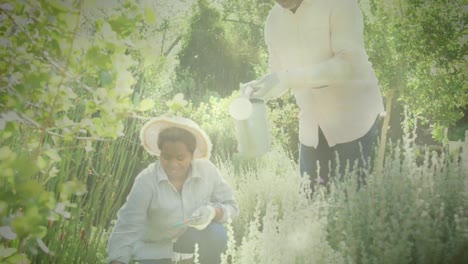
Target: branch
<point>80,138</point>
<point>12,115</point>
<point>45,55</point>
<point>174,43</point>
<point>139,117</point>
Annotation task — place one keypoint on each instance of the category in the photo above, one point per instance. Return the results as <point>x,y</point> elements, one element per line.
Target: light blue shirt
<point>145,223</point>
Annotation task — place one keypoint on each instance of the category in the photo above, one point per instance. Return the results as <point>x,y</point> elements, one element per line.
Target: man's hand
<point>246,89</point>
<point>269,87</point>
<point>202,217</point>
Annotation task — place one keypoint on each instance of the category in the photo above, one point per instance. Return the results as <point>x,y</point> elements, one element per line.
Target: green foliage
<point>409,214</point>
<point>108,172</point>
<point>64,88</point>
<point>244,20</point>
<point>284,118</point>
<point>417,49</point>
<point>458,132</point>
<point>208,61</point>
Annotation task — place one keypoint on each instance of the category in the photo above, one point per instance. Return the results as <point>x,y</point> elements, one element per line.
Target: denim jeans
<point>212,242</point>
<point>359,150</point>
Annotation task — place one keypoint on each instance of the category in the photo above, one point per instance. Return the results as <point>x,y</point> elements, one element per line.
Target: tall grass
<point>108,172</point>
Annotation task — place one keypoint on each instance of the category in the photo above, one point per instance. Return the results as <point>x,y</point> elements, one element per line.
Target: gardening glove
<point>202,217</point>
<point>269,87</point>
<point>246,89</point>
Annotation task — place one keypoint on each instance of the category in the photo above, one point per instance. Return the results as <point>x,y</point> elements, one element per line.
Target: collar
<point>304,3</point>
<point>162,176</point>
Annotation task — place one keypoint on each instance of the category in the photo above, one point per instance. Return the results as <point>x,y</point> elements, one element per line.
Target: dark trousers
<point>212,242</point>
<point>359,150</point>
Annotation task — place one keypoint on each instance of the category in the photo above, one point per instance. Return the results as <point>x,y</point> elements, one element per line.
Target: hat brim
<point>149,135</point>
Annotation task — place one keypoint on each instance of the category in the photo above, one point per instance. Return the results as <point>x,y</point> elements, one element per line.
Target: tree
<point>245,20</point>
<point>417,50</point>
<point>62,88</point>
<point>208,61</point>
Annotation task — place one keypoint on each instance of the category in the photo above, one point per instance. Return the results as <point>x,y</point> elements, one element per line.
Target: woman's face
<point>175,159</point>
<point>289,4</point>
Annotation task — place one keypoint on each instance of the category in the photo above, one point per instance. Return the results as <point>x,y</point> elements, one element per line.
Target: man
<point>316,48</point>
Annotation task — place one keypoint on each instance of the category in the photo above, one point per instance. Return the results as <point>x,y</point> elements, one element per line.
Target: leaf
<point>5,153</point>
<point>59,6</point>
<point>122,25</point>
<point>60,209</point>
<point>101,93</point>
<point>30,187</point>
<point>6,7</point>
<point>3,208</point>
<point>53,155</point>
<point>150,15</point>
<point>19,259</point>
<point>124,83</point>
<point>146,105</point>
<point>41,163</point>
<point>72,188</point>
<point>106,78</point>
<point>97,58</point>
<point>6,252</point>
<point>7,232</point>
<point>40,232</point>
<point>89,146</point>
<point>43,246</point>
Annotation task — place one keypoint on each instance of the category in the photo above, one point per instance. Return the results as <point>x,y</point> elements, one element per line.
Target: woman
<point>176,202</point>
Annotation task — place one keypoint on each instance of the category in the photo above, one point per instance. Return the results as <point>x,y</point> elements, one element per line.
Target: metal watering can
<point>252,128</point>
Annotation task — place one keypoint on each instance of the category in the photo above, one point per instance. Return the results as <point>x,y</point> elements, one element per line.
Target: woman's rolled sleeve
<point>223,197</point>
<point>130,223</point>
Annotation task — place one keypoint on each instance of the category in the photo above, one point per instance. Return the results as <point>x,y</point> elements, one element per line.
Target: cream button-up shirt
<point>320,48</point>
<point>147,224</point>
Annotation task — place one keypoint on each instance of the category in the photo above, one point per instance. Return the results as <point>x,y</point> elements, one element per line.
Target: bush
<point>409,214</point>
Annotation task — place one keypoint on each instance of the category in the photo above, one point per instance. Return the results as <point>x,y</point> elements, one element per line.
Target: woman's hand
<point>203,215</point>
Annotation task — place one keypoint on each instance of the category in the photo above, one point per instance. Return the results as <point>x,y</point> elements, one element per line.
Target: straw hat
<point>149,134</point>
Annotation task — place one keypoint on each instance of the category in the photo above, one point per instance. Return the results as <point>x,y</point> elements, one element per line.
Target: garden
<point>80,77</point>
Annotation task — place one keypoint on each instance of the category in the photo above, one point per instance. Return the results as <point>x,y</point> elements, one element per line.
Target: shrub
<point>410,213</point>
